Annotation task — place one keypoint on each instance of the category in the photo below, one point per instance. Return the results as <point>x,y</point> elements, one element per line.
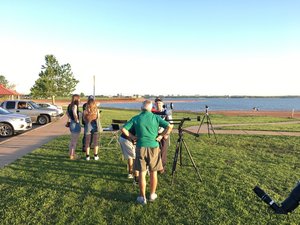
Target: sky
<point>157,47</point>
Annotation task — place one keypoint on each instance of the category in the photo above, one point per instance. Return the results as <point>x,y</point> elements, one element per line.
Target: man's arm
<point>128,134</point>
<point>165,134</point>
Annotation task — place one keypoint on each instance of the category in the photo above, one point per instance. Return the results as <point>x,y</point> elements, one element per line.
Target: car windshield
<point>4,111</point>
<point>34,105</point>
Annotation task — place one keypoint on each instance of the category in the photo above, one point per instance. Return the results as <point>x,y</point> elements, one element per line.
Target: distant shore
<point>64,102</point>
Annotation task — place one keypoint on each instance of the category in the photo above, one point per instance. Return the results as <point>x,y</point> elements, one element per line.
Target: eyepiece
<point>267,199</point>
<point>259,192</point>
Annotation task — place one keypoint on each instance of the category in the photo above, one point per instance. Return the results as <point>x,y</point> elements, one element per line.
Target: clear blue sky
<point>156,47</point>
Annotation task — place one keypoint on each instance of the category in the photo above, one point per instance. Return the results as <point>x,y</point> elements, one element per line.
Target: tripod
<point>178,152</point>
<point>208,122</point>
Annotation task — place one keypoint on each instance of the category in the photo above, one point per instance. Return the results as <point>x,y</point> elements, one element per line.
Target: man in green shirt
<point>146,126</point>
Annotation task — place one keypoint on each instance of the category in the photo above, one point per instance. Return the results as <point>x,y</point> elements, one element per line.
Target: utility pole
<point>94,86</point>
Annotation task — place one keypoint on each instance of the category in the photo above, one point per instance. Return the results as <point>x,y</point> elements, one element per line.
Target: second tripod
<point>208,123</point>
<point>178,151</point>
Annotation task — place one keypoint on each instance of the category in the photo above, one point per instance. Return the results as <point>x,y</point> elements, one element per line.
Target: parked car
<point>37,114</point>
<point>11,123</point>
<point>50,106</point>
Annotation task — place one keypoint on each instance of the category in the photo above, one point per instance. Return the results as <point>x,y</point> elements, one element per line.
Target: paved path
<point>20,145</point>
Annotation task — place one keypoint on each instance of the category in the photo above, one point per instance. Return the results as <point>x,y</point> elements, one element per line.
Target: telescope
<point>182,119</point>
<point>185,119</point>
<point>165,112</point>
<point>287,206</point>
<point>180,122</point>
<point>165,106</point>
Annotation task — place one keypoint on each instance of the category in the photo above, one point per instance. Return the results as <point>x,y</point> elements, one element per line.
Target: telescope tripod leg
<point>207,123</point>
<point>177,152</point>
<point>192,160</point>
<point>211,126</point>
<point>200,125</point>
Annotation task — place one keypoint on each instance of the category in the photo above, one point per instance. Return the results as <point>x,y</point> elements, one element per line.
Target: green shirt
<point>146,126</point>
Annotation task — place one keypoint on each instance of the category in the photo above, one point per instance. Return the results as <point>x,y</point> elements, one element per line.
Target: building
<point>7,93</point>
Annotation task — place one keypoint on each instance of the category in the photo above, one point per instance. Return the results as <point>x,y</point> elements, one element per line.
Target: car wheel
<point>6,130</point>
<point>43,119</point>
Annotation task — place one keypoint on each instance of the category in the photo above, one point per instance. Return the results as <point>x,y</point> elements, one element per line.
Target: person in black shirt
<point>164,143</point>
<point>83,123</point>
<point>75,128</point>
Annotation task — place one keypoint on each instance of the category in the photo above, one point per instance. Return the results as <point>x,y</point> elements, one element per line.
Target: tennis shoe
<point>153,197</point>
<point>141,200</point>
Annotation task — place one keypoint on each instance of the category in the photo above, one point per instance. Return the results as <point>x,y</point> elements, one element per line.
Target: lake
<point>215,104</point>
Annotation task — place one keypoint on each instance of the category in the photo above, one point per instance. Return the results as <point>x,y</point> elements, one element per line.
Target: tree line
<point>54,80</point>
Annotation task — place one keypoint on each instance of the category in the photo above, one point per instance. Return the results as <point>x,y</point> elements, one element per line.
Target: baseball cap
<point>158,99</point>
<point>91,97</point>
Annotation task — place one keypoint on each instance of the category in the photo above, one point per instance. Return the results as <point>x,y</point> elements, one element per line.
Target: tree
<point>6,83</point>
<point>54,80</point>
<point>3,81</point>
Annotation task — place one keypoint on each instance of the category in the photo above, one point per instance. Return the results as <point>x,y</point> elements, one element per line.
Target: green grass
<point>270,127</point>
<point>45,187</point>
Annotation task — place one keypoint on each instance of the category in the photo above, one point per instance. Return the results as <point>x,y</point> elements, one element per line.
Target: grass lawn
<point>271,127</point>
<point>45,187</point>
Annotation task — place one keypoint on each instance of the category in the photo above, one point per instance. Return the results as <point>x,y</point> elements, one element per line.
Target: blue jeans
<point>75,127</point>
<point>88,136</point>
<point>91,127</point>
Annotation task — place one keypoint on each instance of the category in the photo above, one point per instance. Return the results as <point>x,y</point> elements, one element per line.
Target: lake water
<point>214,104</point>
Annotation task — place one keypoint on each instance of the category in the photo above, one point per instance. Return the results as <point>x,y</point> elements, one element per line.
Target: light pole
<point>94,86</point>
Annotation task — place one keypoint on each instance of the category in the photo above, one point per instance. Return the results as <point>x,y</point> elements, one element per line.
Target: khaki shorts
<point>127,147</point>
<point>146,156</point>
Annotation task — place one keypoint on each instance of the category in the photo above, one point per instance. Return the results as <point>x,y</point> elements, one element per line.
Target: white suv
<point>50,106</point>
<point>11,123</point>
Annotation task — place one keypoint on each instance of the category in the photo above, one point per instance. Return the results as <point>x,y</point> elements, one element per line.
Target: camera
<point>287,206</point>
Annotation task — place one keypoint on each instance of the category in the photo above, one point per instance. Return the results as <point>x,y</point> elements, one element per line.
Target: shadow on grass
<point>62,165</point>
<point>63,189</point>
<point>100,178</point>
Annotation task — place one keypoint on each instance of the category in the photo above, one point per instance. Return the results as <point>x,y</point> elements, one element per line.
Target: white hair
<point>147,105</point>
